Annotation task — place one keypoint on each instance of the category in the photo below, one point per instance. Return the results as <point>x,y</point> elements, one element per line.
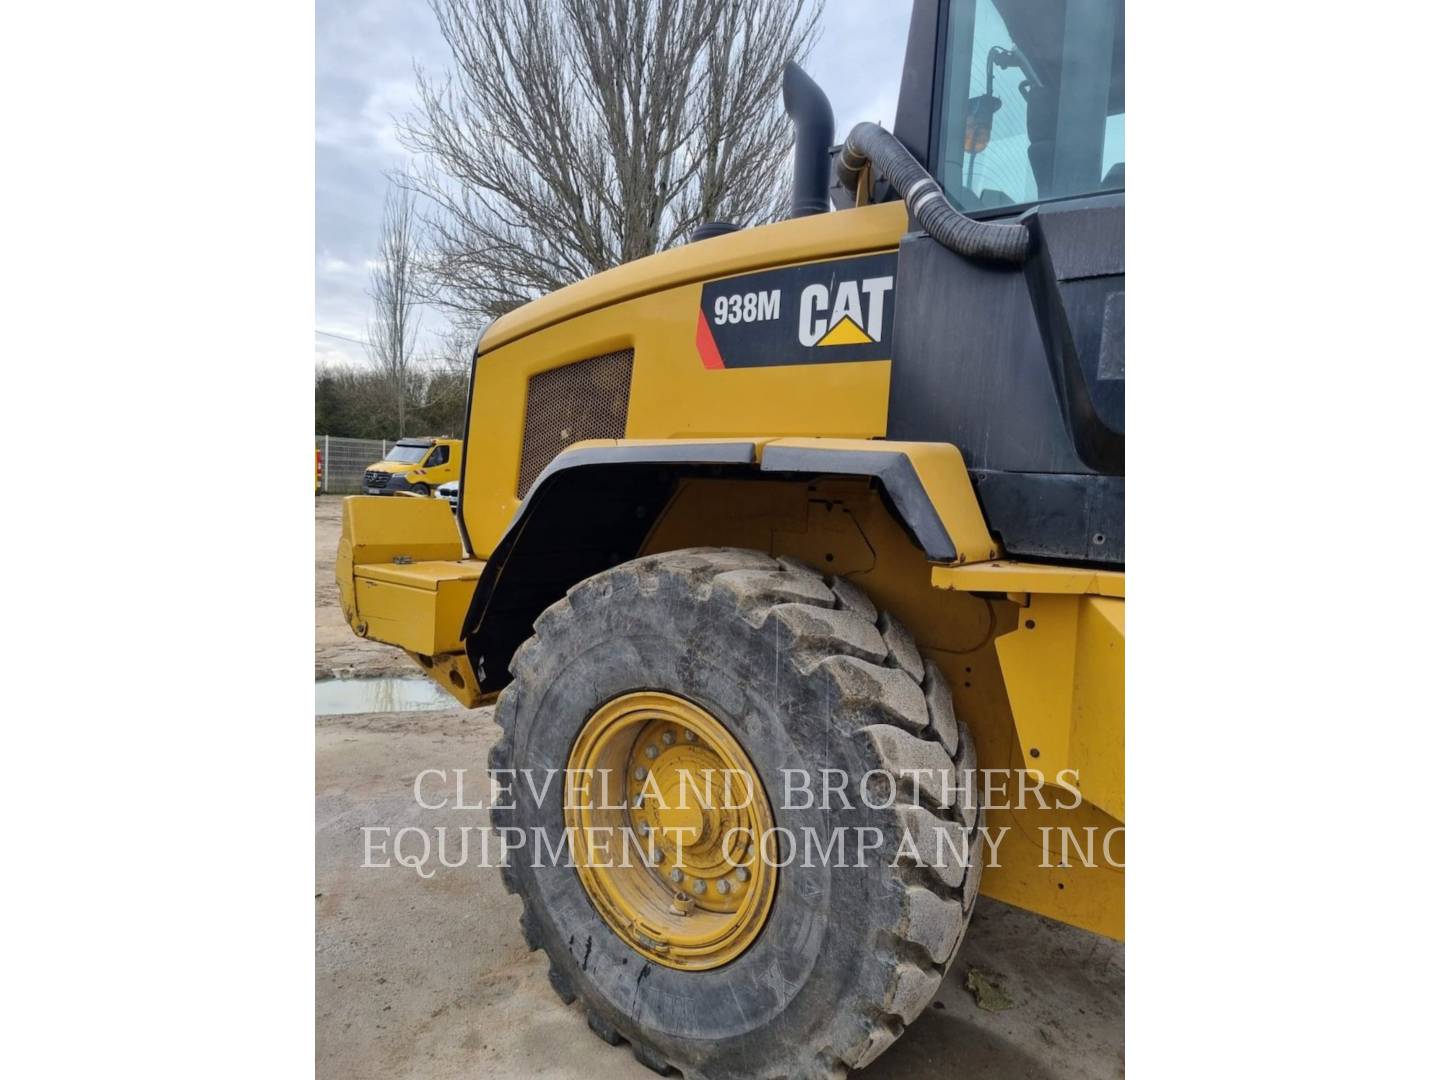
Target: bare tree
<point>447,375</point>
<point>574,135</point>
<point>454,350</point>
<point>395,291</point>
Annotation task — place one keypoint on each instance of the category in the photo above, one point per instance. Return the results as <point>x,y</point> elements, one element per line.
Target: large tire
<point>806,674</point>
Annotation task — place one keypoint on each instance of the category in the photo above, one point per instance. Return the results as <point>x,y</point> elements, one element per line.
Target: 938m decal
<point>818,313</point>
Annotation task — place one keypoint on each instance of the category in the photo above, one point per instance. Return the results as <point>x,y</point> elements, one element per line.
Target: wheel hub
<point>666,815</point>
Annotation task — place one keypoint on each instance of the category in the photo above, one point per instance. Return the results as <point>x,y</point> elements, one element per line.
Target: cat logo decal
<point>815,313</point>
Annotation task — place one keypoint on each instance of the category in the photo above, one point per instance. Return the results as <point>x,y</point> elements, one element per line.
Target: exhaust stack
<point>809,110</point>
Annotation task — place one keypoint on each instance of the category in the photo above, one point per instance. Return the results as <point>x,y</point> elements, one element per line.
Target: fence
<point>343,461</point>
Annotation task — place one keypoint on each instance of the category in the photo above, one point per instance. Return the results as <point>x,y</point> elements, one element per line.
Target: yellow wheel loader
<point>833,509</point>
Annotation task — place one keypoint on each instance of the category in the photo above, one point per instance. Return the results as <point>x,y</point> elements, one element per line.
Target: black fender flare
<point>594,505</point>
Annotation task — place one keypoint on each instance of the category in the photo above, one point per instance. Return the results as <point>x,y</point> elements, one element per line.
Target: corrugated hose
<point>1007,242</point>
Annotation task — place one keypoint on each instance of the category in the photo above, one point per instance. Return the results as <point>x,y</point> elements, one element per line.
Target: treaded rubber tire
<point>806,674</point>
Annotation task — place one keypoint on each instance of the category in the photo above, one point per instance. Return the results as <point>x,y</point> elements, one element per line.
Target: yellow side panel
<point>798,240</point>
<point>1064,670</point>
<point>421,610</point>
<point>1097,736</point>
<point>672,395</point>
<point>1065,863</point>
<point>652,307</point>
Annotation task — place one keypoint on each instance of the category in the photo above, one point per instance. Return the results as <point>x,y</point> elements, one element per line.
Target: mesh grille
<point>586,400</point>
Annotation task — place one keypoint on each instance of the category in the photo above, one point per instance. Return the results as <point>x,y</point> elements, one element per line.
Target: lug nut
<point>641,773</point>
<point>722,886</point>
<point>742,873</point>
<point>689,736</point>
<point>699,887</point>
<point>677,875</point>
<point>668,738</point>
<point>652,752</point>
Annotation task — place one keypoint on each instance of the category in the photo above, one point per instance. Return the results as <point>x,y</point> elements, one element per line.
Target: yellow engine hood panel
<point>819,236</point>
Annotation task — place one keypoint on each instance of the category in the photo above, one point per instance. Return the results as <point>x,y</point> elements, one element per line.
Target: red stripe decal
<point>705,344</point>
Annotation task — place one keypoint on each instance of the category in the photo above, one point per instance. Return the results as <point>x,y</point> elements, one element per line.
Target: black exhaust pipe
<point>810,112</point>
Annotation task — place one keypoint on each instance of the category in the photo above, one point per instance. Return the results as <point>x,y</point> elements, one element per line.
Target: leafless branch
<point>573,135</point>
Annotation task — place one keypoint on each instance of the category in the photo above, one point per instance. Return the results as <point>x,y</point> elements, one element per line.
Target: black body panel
<point>1065,517</point>
<point>1023,369</point>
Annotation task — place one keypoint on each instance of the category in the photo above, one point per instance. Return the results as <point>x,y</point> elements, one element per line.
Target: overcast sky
<point>365,52</point>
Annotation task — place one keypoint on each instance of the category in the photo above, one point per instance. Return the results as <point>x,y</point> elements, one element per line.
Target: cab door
<point>441,465</point>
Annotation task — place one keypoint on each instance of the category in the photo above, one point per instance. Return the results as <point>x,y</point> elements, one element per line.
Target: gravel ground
<point>429,977</point>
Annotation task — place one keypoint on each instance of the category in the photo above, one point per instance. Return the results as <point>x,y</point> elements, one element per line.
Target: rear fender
<point>596,504</point>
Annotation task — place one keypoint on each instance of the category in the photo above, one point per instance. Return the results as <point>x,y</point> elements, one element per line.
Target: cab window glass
<point>1033,101</point>
<point>439,456</point>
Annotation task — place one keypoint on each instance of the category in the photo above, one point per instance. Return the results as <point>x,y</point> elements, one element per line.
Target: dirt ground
<point>429,977</point>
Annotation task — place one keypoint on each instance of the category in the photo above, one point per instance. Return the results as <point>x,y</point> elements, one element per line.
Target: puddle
<point>343,697</point>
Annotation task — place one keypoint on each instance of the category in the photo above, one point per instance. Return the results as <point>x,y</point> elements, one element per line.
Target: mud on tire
<point>807,675</point>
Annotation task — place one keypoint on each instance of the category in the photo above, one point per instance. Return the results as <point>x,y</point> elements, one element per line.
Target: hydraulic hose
<point>1006,242</point>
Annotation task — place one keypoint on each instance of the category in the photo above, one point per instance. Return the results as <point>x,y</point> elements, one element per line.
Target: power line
<point>342,337</point>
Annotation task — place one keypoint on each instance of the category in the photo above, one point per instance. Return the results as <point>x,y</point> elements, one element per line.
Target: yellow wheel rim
<point>667,819</point>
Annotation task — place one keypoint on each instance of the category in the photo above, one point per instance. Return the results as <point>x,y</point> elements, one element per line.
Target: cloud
<point>858,60</point>
<point>366,124</point>
<point>366,52</point>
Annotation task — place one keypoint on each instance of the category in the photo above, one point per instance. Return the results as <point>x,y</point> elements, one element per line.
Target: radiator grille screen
<point>585,400</point>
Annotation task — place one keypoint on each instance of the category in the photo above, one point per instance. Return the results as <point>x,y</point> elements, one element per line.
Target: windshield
<point>410,455</point>
<point>1034,101</point>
